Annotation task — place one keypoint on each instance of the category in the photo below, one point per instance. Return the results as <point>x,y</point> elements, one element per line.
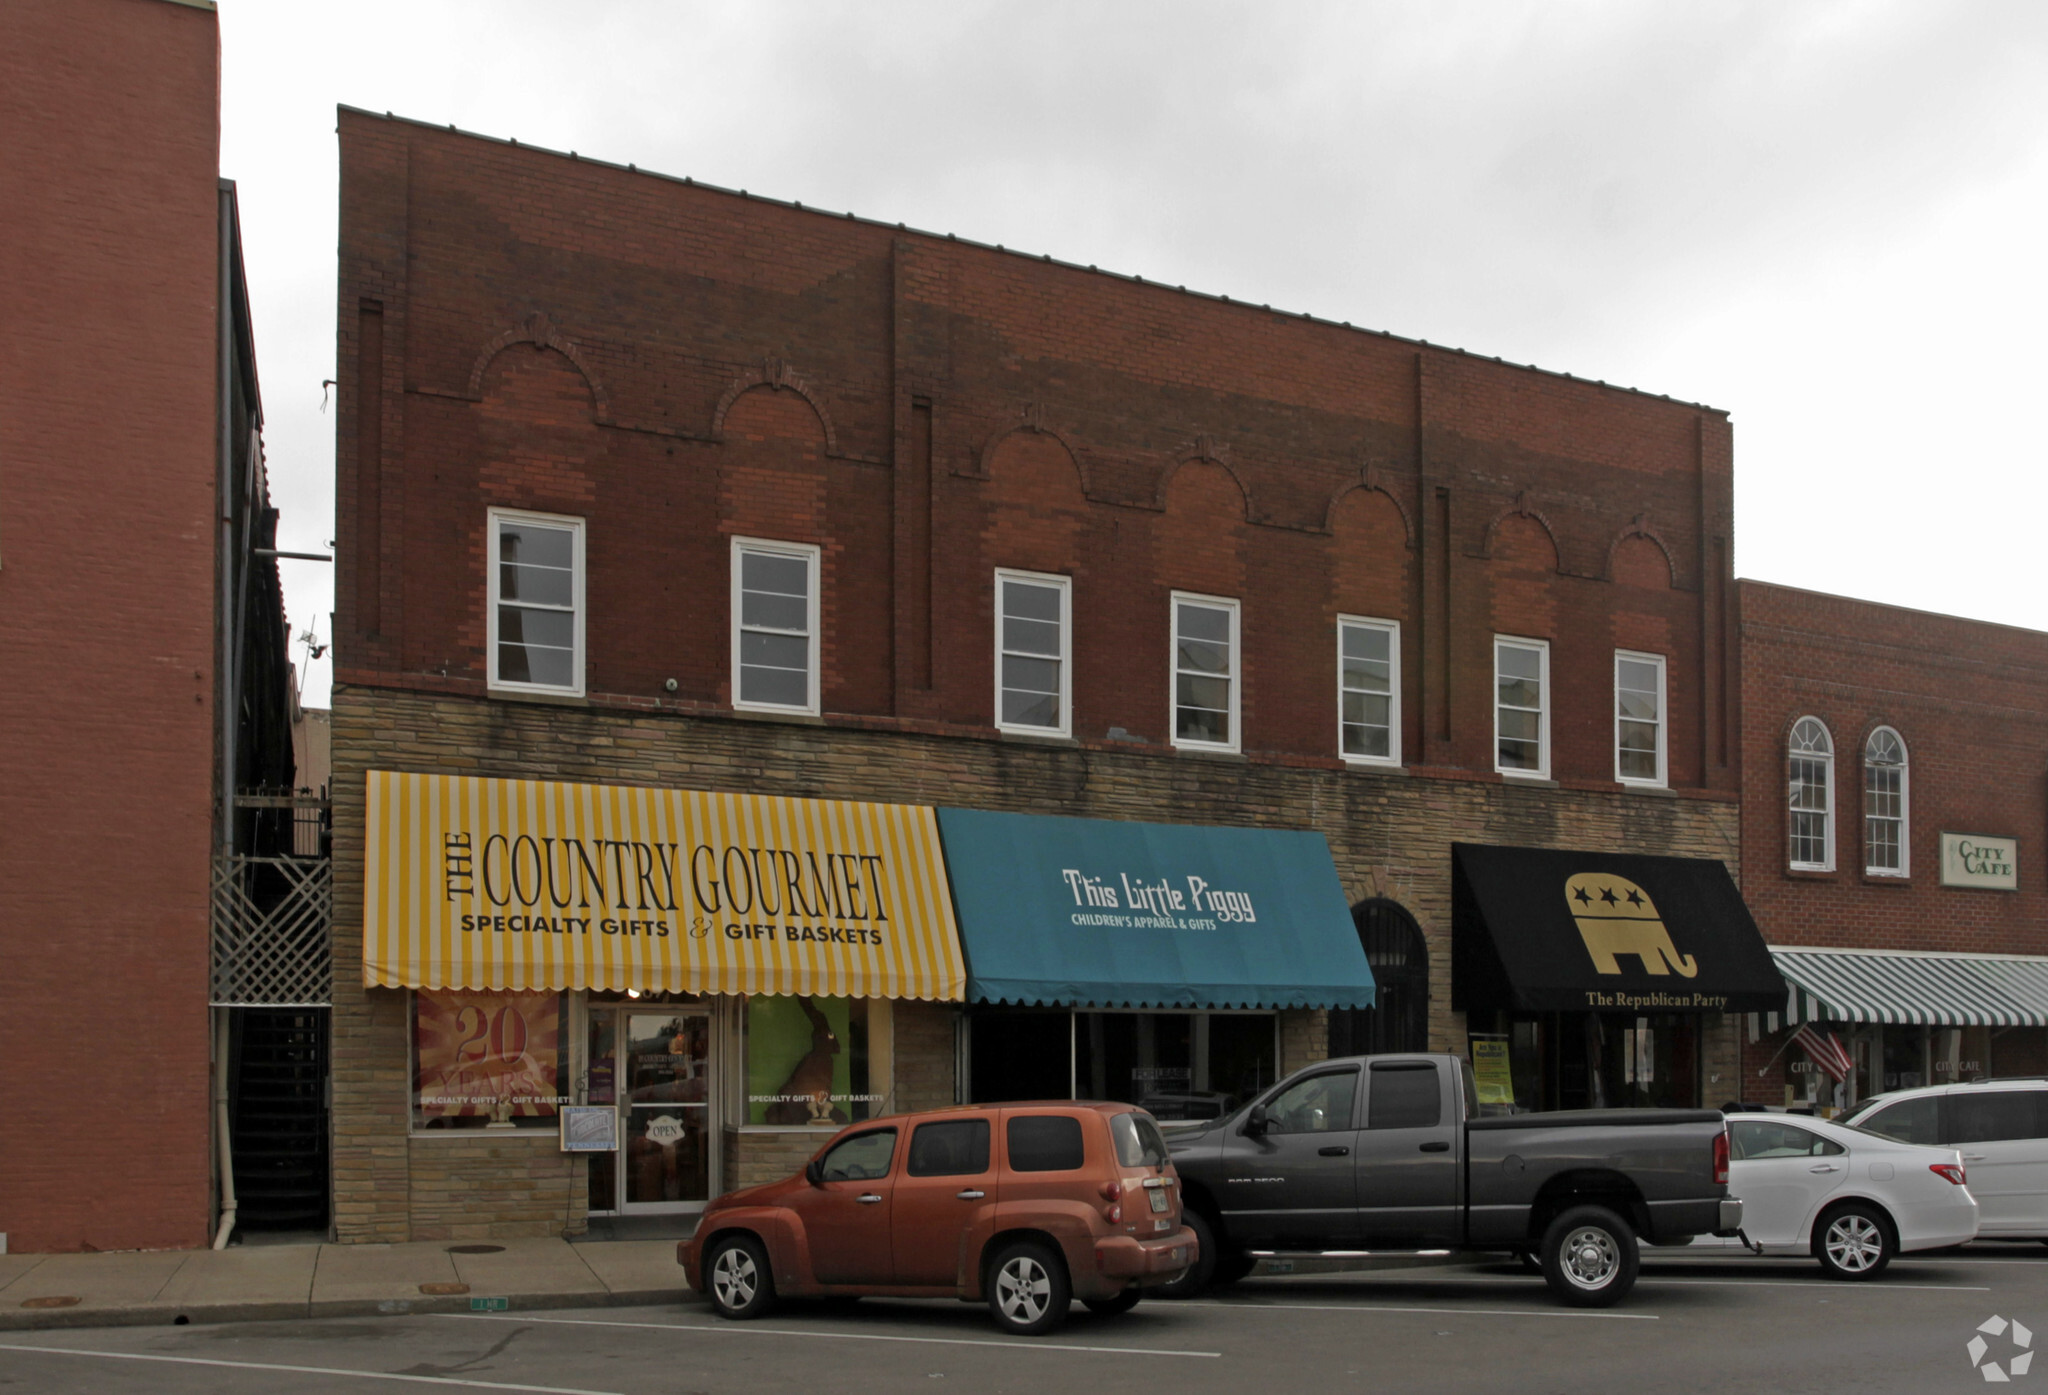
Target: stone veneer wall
<point>1389,832</point>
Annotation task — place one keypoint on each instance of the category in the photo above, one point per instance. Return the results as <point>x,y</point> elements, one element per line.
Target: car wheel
<point>737,1278</point>
<point>1199,1275</point>
<point>1854,1242</point>
<point>1110,1307</point>
<point>1589,1257</point>
<point>1028,1291</point>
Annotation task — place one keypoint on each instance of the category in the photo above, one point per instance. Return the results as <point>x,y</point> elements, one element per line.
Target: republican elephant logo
<point>1616,918</point>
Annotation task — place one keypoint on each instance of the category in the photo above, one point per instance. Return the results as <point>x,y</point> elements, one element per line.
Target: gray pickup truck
<point>1384,1154</point>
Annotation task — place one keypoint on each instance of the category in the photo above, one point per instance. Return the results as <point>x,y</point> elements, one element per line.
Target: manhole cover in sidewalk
<point>444,1288</point>
<point>65,1301</point>
<point>476,1249</point>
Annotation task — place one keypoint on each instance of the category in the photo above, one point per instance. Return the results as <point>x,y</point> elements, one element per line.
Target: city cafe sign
<point>1979,860</point>
<point>522,884</point>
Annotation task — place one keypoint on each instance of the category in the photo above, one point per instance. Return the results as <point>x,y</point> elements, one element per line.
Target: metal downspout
<point>220,1129</point>
<point>224,828</point>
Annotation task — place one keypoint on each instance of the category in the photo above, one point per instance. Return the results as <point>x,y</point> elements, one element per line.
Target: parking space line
<point>1878,1287</point>
<point>1650,1276</point>
<point>742,1329</point>
<point>304,1370</point>
<point>1388,1308</point>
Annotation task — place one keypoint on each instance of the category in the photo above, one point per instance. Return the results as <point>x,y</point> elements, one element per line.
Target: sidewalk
<point>250,1283</point>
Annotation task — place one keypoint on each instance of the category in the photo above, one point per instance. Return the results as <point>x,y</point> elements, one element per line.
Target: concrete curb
<point>209,1314</point>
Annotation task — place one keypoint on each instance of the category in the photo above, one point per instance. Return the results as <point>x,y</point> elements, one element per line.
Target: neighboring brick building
<point>1872,736</point>
<point>126,396</point>
<point>581,405</point>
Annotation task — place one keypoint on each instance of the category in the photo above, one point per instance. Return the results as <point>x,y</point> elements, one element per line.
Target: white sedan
<point>1850,1199</point>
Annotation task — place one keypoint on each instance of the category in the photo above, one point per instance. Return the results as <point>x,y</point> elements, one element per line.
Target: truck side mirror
<point>1256,1123</point>
<point>814,1172</point>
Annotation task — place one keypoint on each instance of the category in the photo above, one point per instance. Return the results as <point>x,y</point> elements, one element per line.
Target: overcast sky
<point>1828,219</point>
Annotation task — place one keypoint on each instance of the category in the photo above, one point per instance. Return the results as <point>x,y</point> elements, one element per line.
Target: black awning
<point>1539,930</point>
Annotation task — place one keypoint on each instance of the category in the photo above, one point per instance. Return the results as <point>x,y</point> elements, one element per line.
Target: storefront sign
<point>1555,930</point>
<point>1120,914</point>
<point>1974,859</point>
<point>476,883</point>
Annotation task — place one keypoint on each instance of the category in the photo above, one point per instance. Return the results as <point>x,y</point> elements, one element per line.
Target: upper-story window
<point>536,602</point>
<point>774,625</point>
<point>1369,690</point>
<point>1884,804</point>
<point>1521,706</point>
<point>1033,667</point>
<point>1811,767</point>
<point>1639,724</point>
<point>1205,672</point>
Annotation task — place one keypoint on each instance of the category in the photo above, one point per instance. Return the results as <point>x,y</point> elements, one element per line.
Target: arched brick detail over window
<point>774,373</point>
<point>539,330</point>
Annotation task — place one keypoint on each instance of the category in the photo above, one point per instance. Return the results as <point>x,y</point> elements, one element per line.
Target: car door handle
<point>1437,1147</point>
<point>969,1195</point>
<point>1339,1151</point>
<point>867,1198</point>
<point>1975,1157</point>
<point>1824,1167</point>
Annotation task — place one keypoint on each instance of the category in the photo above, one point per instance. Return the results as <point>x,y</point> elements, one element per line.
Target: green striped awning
<point>1912,987</point>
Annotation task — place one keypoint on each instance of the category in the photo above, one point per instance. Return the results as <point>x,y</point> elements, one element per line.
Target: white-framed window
<point>535,621</point>
<point>1810,766</point>
<point>1034,643</point>
<point>1640,725</point>
<point>1886,852</point>
<point>1368,690</point>
<point>1205,672</point>
<point>774,626</point>
<point>1521,706</point>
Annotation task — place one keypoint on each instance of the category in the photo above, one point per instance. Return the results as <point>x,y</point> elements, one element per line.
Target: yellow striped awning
<point>529,885</point>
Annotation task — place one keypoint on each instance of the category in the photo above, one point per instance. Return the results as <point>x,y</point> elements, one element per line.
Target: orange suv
<point>1026,1205</point>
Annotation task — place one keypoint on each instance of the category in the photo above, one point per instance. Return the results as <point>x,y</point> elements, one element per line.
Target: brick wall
<point>1389,833</point>
<point>1970,701</point>
<point>110,262</point>
<point>678,365</point>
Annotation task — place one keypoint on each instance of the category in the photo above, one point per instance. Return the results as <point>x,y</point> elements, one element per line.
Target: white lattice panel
<point>272,917</point>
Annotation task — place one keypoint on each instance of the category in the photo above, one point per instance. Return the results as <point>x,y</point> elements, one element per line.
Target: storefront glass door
<point>654,1066</point>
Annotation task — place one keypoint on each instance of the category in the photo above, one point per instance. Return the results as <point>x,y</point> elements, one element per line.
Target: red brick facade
<point>107,515</point>
<point>677,365</point>
<point>1970,701</point>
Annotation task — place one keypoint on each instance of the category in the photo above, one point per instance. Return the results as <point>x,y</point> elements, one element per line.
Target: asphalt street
<point>1706,1324</point>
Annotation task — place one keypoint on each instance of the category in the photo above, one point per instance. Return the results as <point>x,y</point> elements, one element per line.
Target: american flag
<point>1826,1051</point>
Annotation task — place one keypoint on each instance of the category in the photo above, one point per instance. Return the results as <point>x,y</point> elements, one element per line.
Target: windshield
<point>1860,1111</point>
<point>1138,1142</point>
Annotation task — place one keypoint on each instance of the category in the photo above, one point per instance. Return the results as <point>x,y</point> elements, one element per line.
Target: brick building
<point>652,491</point>
<point>132,503</point>
<point>1894,802</point>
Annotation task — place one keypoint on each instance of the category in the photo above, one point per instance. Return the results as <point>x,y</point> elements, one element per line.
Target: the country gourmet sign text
<point>537,885</point>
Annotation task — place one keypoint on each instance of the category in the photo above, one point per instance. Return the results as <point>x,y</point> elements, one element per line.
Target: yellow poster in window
<point>534,885</point>
<point>1491,1073</point>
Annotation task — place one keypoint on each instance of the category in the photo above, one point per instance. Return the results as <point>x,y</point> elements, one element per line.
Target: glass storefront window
<point>808,1062</point>
<point>488,1059</point>
<point>1177,1065</point>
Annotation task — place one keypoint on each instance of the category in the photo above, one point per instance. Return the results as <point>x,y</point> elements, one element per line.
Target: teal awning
<point>1111,914</point>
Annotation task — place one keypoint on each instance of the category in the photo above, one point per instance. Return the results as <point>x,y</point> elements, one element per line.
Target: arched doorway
<point>1400,967</point>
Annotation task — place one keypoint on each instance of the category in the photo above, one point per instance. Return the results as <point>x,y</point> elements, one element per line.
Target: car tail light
<point>1112,1190</point>
<point>1114,1214</point>
<point>1721,1158</point>
<point>1952,1171</point>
